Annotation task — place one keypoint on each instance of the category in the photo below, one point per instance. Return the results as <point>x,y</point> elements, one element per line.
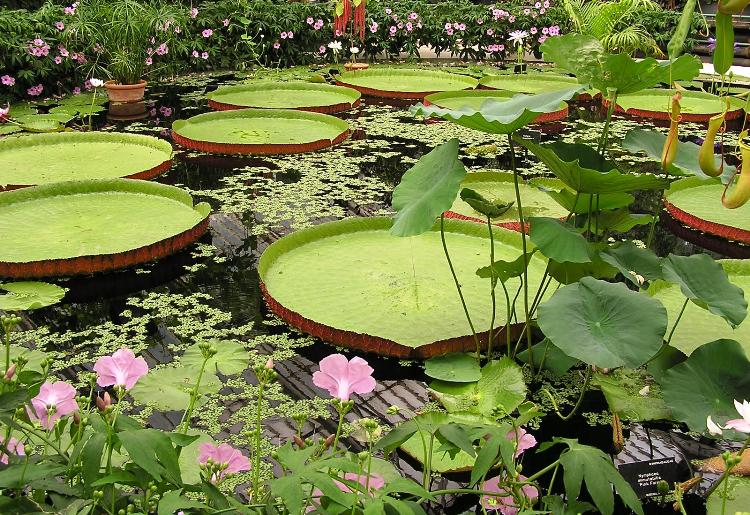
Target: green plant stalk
<point>257,435</point>
<point>458,285</point>
<point>493,284</point>
<point>7,347</point>
<point>527,322</point>
<point>677,321</point>
<point>584,389</point>
<point>605,132</point>
<point>340,425</point>
<point>185,422</point>
<point>427,473</point>
<point>91,109</point>
<point>507,319</point>
<point>725,476</point>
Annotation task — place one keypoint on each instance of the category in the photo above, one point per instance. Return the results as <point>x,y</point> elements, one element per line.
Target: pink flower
<point>63,51</point>
<point>512,19</point>
<point>322,49</point>
<point>393,30</point>
<point>740,424</point>
<point>342,377</point>
<point>388,11</point>
<point>533,30</point>
<point>162,49</point>
<point>204,55</point>
<point>196,54</point>
<point>193,12</point>
<point>448,25</point>
<point>277,45</point>
<point>226,22</point>
<point>166,111</point>
<point>55,400</point>
<point>526,12</point>
<point>449,32</point>
<point>374,27</point>
<point>149,61</point>
<point>4,112</point>
<point>413,16</point>
<point>376,481</point>
<point>207,33</point>
<point>59,25</point>
<point>225,458</point>
<point>120,369</point>
<point>35,91</point>
<point>310,20</point>
<point>542,39</point>
<point>76,90</point>
<point>58,60</point>
<point>490,32</point>
<point>177,30</point>
<point>8,80</point>
<point>290,34</point>
<point>409,27</point>
<point>504,503</point>
<point>522,440</point>
<point>13,446</point>
<point>546,3</point>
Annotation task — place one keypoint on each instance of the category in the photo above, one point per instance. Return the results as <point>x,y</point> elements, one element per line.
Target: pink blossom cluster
<point>450,28</point>
<point>194,12</point>
<point>7,80</point>
<point>35,91</point>
<point>495,48</point>
<point>287,35</point>
<point>71,9</point>
<point>203,55</point>
<point>413,21</point>
<point>38,48</point>
<point>315,24</point>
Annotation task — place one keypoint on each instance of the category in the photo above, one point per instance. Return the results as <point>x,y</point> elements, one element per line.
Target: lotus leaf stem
<point>584,389</point>
<point>493,284</point>
<point>677,320</point>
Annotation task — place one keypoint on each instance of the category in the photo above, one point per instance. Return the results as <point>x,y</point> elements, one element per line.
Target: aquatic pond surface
<point>211,290</point>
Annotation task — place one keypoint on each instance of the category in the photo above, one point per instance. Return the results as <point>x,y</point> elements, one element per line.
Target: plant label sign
<point>644,476</point>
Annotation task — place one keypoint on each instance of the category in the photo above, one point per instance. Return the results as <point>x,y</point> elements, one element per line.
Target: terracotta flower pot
<point>356,66</point>
<point>125,93</point>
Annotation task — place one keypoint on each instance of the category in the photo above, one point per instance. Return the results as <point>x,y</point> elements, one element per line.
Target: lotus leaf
<point>28,295</point>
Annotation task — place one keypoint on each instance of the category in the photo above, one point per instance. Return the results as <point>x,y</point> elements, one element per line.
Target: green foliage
<point>558,240</point>
<point>456,367</point>
<point>24,296</point>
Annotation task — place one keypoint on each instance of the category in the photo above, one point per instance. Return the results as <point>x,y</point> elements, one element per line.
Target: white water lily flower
<point>335,46</point>
<point>354,50</point>
<point>517,37</point>
<point>639,278</point>
<point>97,83</point>
<point>713,427</point>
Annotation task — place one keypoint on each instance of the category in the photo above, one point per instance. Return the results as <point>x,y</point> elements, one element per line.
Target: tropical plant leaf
<point>737,497</point>
<point>707,383</point>
<point>704,281</point>
<point>580,204</point>
<point>490,208</point>
<point>558,240</point>
<point>724,51</point>
<point>604,324</point>
<point>24,296</point>
<point>616,221</point>
<point>427,190</point>
<point>230,358</point>
<point>585,464</point>
<point>504,270</point>
<point>583,169</point>
<point>503,117</point>
<point>623,391</point>
<point>168,388</point>
<point>455,367</point>
<point>548,357</point>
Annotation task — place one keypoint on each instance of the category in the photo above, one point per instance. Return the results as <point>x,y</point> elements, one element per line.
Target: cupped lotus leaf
<point>692,102</point>
<point>503,270</point>
<point>261,127</point>
<point>499,390</point>
<point>585,57</point>
<point>701,199</point>
<point>456,367</point>
<point>698,326</point>
<point>708,383</point>
<point>583,169</point>
<point>499,186</point>
<point>627,395</point>
<point>427,190</point>
<point>705,282</point>
<point>686,160</point>
<point>529,83</point>
<point>41,123</point>
<point>582,203</point>
<point>737,495</point>
<point>28,295</point>
<point>500,117</point>
<point>633,261</point>
<point>92,218</point>
<point>474,99</point>
<point>285,95</point>
<point>169,388</point>
<point>398,289</point>
<point>387,81</point>
<point>230,358</point>
<point>74,156</point>
<point>548,357</point>
<point>604,324</point>
<point>558,240</point>
<point>485,206</point>
<point>616,221</point>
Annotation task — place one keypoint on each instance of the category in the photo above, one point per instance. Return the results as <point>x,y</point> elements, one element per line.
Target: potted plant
<point>122,40</point>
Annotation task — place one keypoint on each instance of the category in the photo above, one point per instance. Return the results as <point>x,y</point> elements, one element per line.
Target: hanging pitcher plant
<point>343,15</point>
<point>706,154</point>
<point>740,193</point>
<point>670,144</point>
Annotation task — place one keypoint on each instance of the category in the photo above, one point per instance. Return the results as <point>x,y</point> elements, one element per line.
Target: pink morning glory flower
<point>522,440</point>
<point>193,12</point>
<point>59,25</point>
<point>290,34</point>
<point>342,377</point>
<point>13,446</point>
<point>322,49</point>
<point>121,369</point>
<point>504,502</point>
<point>225,458</point>
<point>207,33</point>
<point>226,22</point>
<point>4,112</point>
<point>149,61</point>
<point>54,401</point>
<point>8,80</point>
<point>76,90</point>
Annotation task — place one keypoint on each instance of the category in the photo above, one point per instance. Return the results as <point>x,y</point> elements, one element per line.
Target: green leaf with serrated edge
<point>704,281</point>
<point>558,240</point>
<point>707,383</point>
<point>457,367</point>
<point>604,324</point>
<point>427,190</point>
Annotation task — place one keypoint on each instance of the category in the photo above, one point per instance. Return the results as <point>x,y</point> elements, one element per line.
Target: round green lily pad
<point>695,106</point>
<point>354,284</point>
<point>499,186</point>
<point>91,226</point>
<point>305,96</point>
<point>531,83</point>
<point>74,156</point>
<point>697,325</point>
<point>404,83</point>
<point>475,98</point>
<point>260,131</point>
<point>696,203</point>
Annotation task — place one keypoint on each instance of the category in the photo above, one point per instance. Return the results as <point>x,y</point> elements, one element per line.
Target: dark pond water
<point>161,308</point>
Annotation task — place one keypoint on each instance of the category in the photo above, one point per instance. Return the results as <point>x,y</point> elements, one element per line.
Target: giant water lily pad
<point>707,383</point>
<point>92,226</point>
<point>499,186</point>
<point>528,82</point>
<point>697,325</point>
<point>404,83</point>
<point>697,203</point>
<point>320,98</point>
<point>74,156</point>
<point>28,295</point>
<point>260,131</point>
<point>474,99</point>
<point>695,105</point>
<point>354,284</point>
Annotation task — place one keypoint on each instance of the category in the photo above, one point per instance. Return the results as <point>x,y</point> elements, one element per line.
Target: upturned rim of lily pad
<point>664,114</point>
<point>348,98</point>
<point>432,82</point>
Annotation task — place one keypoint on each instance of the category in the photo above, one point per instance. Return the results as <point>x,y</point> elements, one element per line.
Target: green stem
<point>726,473</point>
<point>492,291</point>
<point>546,469</point>
<point>584,388</point>
<point>677,321</point>
<point>338,430</point>
<point>519,205</point>
<point>605,132</point>
<point>458,285</point>
<point>258,440</point>
<point>507,319</point>
<point>185,422</point>
<point>554,476</point>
